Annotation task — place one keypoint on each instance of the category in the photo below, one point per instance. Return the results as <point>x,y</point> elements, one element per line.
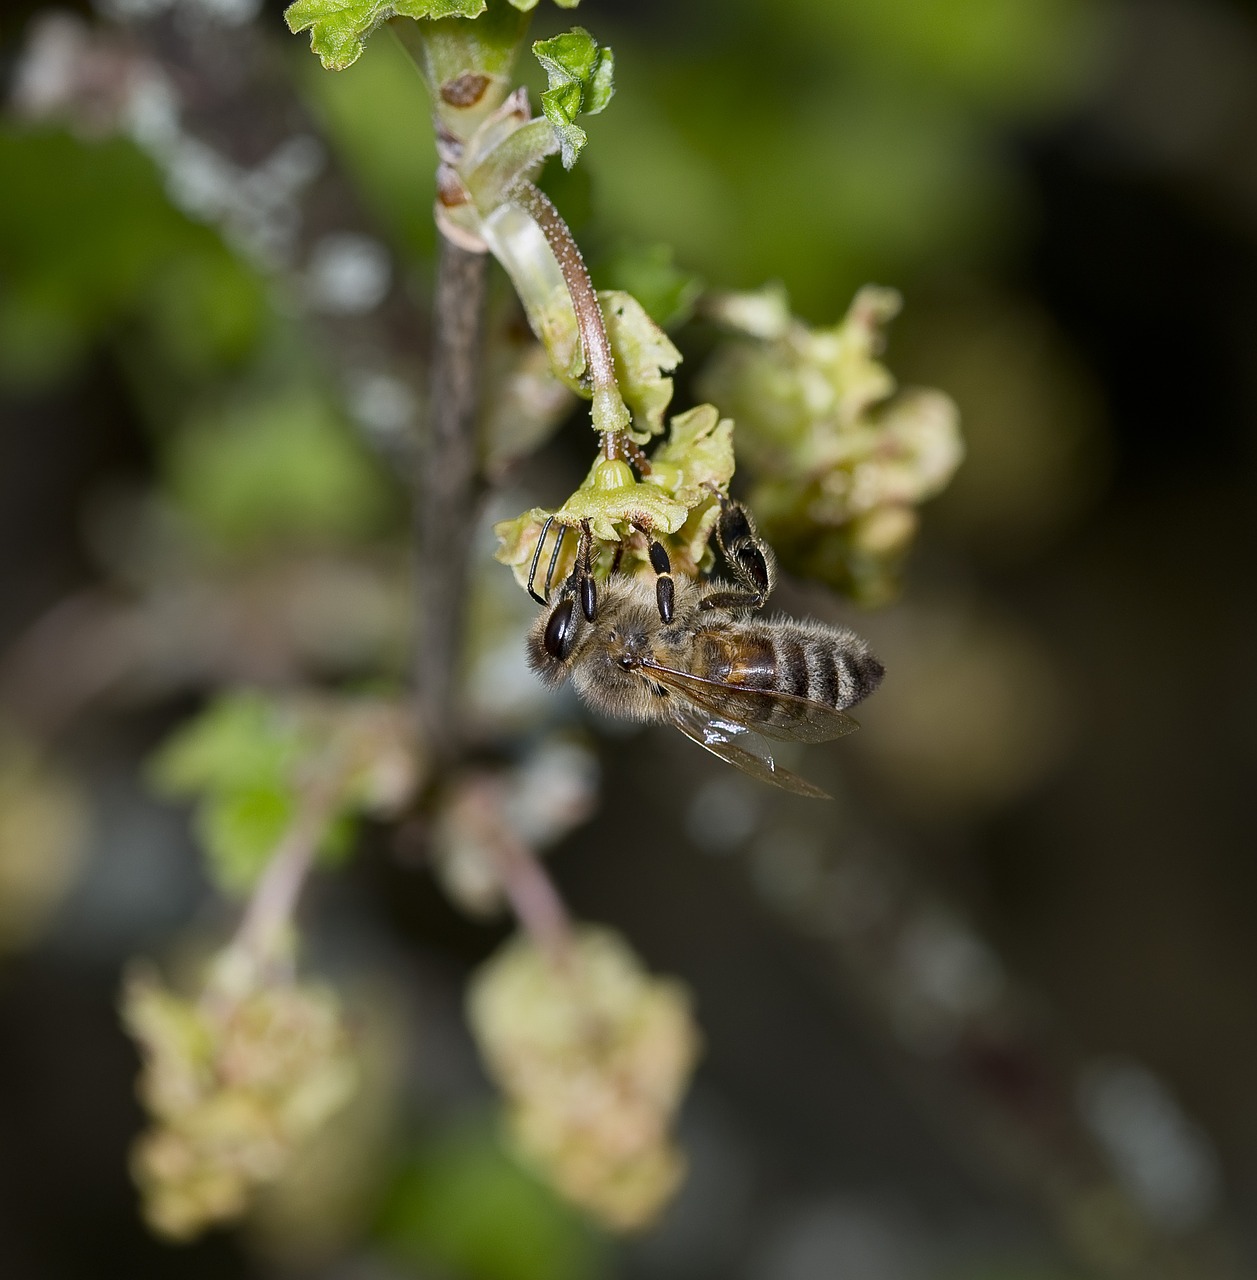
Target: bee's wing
<point>806,721</point>
<point>738,746</point>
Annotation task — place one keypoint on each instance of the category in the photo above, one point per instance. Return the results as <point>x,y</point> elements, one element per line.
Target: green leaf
<point>580,75</point>
<point>697,455</point>
<point>235,742</point>
<point>249,758</point>
<point>644,355</point>
<point>240,830</point>
<point>339,28</point>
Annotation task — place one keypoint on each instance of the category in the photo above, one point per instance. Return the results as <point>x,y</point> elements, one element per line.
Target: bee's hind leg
<point>583,573</point>
<point>748,556</point>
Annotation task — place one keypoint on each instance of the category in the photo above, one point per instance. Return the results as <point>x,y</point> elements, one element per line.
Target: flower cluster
<point>841,461</point>
<point>236,1082</point>
<point>676,502</point>
<point>593,1055</point>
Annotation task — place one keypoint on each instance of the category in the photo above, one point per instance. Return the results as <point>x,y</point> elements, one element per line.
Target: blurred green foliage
<point>277,469</point>
<point>392,166</point>
<point>242,756</point>
<point>258,763</point>
<point>650,273</point>
<point>89,244</point>
<point>834,144</point>
<point>465,1204</point>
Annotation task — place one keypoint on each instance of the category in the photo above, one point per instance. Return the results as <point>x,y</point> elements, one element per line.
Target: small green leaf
<point>601,85</point>
<point>233,743</point>
<point>251,759</point>
<point>339,28</point>
<point>240,830</point>
<point>570,56</point>
<point>464,1204</point>
<point>644,355</point>
<point>697,455</point>
<point>580,74</point>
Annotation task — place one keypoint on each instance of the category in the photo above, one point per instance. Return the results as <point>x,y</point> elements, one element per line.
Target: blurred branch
<point>445,488</point>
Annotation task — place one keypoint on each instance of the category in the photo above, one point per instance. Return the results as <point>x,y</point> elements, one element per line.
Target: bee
<point>694,654</point>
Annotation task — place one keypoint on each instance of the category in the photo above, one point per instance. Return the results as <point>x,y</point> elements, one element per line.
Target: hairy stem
<point>609,413</point>
<point>446,492</point>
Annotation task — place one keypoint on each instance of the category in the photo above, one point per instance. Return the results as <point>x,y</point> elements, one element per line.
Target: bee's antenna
<point>536,559</point>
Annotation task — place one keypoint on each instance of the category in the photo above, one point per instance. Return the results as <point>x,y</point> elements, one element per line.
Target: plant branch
<point>446,492</point>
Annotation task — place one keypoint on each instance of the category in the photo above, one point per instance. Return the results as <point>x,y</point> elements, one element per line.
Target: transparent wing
<point>739,746</point>
<point>775,715</point>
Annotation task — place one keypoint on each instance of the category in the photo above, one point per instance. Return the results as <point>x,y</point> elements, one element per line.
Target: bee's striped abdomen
<point>838,671</point>
<point>822,671</point>
<point>794,672</point>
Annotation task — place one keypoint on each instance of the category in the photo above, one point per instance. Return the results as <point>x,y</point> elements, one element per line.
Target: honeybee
<point>694,654</point>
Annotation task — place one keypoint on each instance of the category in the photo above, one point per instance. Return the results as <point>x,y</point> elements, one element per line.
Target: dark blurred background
<point>992,1014</point>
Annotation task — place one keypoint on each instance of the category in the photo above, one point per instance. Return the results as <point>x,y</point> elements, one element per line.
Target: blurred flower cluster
<point>839,460</point>
<point>235,1081</point>
<point>593,1055</point>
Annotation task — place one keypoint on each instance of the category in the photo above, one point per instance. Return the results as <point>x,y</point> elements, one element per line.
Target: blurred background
<point>989,1016</point>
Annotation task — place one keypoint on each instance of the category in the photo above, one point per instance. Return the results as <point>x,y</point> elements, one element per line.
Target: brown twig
<point>446,492</point>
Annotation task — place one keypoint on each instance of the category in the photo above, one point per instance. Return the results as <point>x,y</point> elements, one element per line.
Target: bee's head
<point>553,637</point>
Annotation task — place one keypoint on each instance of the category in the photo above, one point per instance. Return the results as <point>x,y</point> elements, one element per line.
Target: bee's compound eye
<point>561,630</point>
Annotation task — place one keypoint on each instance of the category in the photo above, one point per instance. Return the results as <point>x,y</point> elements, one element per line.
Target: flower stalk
<point>610,415</point>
